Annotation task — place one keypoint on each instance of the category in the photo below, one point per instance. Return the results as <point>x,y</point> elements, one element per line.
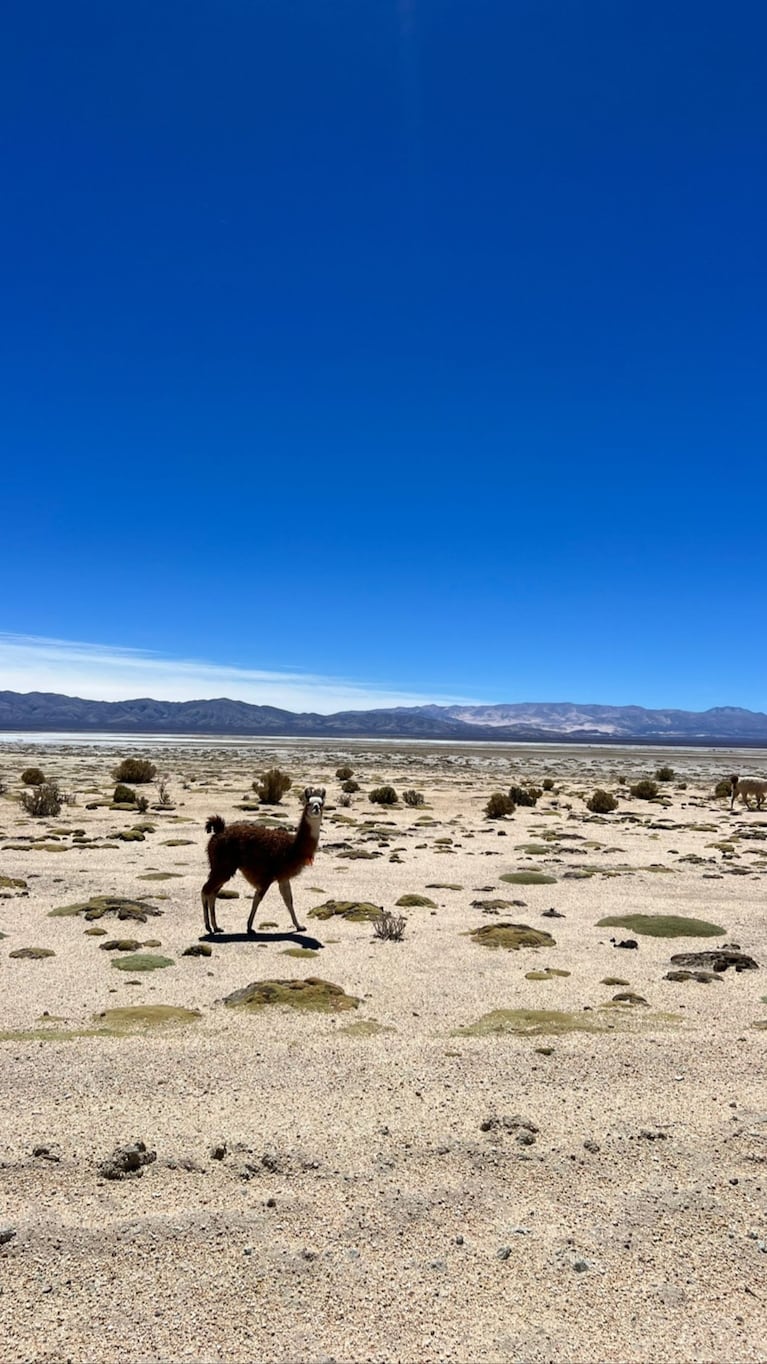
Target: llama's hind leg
<point>287,894</point>
<point>209,892</point>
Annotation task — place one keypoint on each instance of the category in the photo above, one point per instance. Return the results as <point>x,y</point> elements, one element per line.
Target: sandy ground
<point>323,1191</point>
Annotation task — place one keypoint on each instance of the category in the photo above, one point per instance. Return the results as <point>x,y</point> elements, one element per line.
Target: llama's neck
<point>308,836</point>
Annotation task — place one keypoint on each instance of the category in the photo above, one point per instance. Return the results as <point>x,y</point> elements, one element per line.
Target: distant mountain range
<point>546,721</point>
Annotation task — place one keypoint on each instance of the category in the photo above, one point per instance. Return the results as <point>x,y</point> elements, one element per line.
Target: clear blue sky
<point>417,343</point>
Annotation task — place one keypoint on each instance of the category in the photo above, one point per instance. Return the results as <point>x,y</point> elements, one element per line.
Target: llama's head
<point>314,800</point>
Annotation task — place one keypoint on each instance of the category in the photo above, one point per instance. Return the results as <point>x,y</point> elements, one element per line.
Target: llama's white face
<point>315,801</point>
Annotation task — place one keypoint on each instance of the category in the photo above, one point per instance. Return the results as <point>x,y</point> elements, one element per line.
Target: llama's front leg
<point>287,895</point>
<point>257,898</point>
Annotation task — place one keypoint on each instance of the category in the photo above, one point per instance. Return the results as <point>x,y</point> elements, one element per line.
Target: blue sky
<point>358,351</point>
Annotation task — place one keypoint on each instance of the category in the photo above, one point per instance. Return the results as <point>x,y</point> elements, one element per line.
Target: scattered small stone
<point>198,949</point>
<point>720,959</point>
<point>515,1123</point>
<point>581,1266</point>
<point>6,1234</point>
<point>592,1147</point>
<point>218,1150</point>
<point>552,914</point>
<point>503,1253</point>
<point>627,942</point>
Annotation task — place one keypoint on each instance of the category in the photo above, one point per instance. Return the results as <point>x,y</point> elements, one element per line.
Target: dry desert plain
<point>484,1157</point>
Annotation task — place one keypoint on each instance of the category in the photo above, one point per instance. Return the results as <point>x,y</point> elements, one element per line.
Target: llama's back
<point>261,854</point>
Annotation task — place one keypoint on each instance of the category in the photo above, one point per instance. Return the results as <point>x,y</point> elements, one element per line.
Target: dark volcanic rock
<point>717,960</point>
<point>126,1161</point>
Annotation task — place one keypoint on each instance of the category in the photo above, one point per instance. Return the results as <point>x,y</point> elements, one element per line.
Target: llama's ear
<point>322,792</point>
<point>307,794</point>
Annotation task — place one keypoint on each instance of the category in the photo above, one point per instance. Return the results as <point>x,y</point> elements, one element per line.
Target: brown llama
<point>262,855</point>
<point>747,788</point>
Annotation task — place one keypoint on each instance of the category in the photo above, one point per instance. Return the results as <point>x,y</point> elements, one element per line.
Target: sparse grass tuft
<point>272,786</point>
<point>137,770</point>
<point>389,927</point>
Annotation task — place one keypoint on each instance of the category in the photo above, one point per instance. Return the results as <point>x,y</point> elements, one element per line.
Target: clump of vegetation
<point>665,774</point>
<point>383,795</point>
<point>645,789</point>
<point>142,804</point>
<point>389,927</point>
<point>344,801</point>
<point>345,772</point>
<point>272,786</point>
<point>413,798</point>
<point>723,788</point>
<point>3,787</point>
<point>32,776</point>
<point>548,783</point>
<point>313,994</point>
<point>662,925</point>
<point>499,806</point>
<point>45,799</point>
<point>350,786</point>
<point>522,795</point>
<point>601,803</point>
<point>137,770</point>
<point>124,795</point>
<point>163,793</point>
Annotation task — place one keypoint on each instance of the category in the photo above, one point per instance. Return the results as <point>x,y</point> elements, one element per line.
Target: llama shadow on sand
<point>295,939</point>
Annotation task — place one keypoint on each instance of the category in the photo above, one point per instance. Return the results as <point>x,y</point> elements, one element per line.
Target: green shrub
<point>413,797</point>
<point>548,784</point>
<point>344,772</point>
<point>601,803</point>
<point>137,770</point>
<point>142,804</point>
<point>383,795</point>
<point>45,799</point>
<point>499,805</point>
<point>665,774</point>
<point>124,795</point>
<point>32,776</point>
<point>723,788</point>
<point>344,802</point>
<point>350,786</point>
<point>645,789</point>
<point>272,786</point>
<point>520,795</point>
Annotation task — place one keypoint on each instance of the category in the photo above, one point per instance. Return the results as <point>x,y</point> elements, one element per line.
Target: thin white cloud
<point>101,672</point>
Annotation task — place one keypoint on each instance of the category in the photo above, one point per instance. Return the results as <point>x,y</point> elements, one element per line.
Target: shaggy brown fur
<point>262,855</point>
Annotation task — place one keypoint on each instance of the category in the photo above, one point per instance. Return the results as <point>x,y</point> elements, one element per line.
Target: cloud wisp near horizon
<point>102,672</point>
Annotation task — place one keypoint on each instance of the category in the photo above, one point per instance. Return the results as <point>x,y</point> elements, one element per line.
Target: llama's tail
<point>214,824</point>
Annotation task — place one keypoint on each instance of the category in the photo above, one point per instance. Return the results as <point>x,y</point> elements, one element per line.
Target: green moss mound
<point>299,952</point>
<point>160,876</point>
<point>550,973</point>
<point>136,1017</point>
<point>32,953</point>
<point>511,936</point>
<point>12,883</point>
<point>557,1022</point>
<point>662,925</point>
<point>312,994</point>
<point>99,905</point>
<point>528,878</point>
<point>356,911</point>
<point>415,902</point>
<point>141,961</point>
<point>367,1027</point>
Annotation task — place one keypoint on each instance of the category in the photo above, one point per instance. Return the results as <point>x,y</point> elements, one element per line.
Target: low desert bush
<point>344,802</point>
<point>389,927</point>
<point>383,795</point>
<point>522,795</point>
<point>45,799</point>
<point>272,786</point>
<point>142,804</point>
<point>137,770</point>
<point>344,772</point>
<point>32,776</point>
<point>665,774</point>
<point>124,795</point>
<point>164,799</point>
<point>413,798</point>
<point>499,805</point>
<point>548,784</point>
<point>645,789</point>
<point>723,788</point>
<point>601,803</point>
<point>350,786</point>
